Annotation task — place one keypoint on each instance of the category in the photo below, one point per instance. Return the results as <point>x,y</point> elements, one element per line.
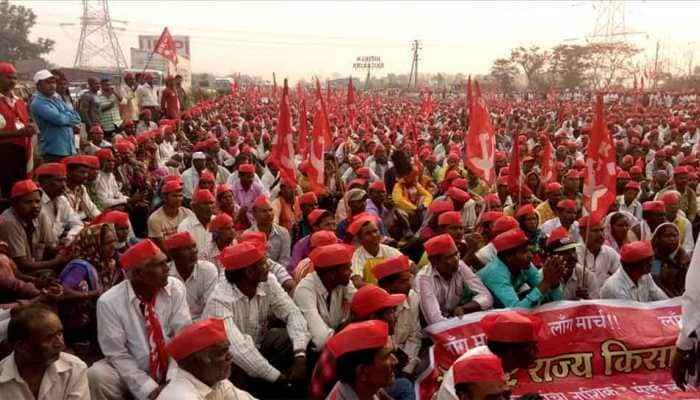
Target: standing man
<point>128,104</point>
<point>181,93</point>
<point>54,119</point>
<point>15,131</point>
<point>108,100</point>
<point>147,96</point>
<point>88,105</point>
<point>170,102</point>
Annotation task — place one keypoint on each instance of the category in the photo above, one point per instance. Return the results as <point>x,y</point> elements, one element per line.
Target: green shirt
<point>504,287</point>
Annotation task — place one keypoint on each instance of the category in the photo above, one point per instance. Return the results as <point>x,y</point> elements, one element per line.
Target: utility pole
<point>656,63</point>
<point>98,38</point>
<point>415,47</point>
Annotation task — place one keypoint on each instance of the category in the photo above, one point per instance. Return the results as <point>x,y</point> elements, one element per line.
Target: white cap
<point>198,155</point>
<point>42,74</point>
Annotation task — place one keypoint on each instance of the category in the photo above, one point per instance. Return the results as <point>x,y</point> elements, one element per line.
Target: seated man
<point>511,269</point>
<point>308,202</point>
<point>511,336</point>
<point>633,281</point>
<point>202,353</point>
<point>63,219</point>
<point>27,230</point>
<point>323,295</point>
<point>318,219</point>
<point>78,171</point>
<point>447,286</point>
<point>165,220</point>
<point>278,242</point>
<point>222,236</point>
<point>504,223</point>
<point>203,208</point>
<point>135,319</point>
<point>108,191</point>
<point>364,360</point>
<point>365,229</point>
<point>566,217</point>
<point>593,253</point>
<point>394,276</point>
<point>247,299</point>
<point>38,368</point>
<point>480,377</point>
<point>318,239</point>
<point>277,270</point>
<point>199,276</point>
<point>576,283</point>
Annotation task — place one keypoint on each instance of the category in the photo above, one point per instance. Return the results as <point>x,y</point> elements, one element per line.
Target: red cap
<point>7,68</point>
<point>242,255</point>
<point>458,195</point>
<point>586,220</point>
<point>450,218</point>
<point>492,200</point>
<point>451,175</point>
<point>117,218</point>
<point>504,223</point>
<point>363,172</point>
<point>654,206</point>
<point>246,168</point>
<point>207,177</point>
<point>331,255</point>
<point>357,182</point>
<point>308,198</point>
<point>138,253</point>
<point>261,200</point>
<point>552,187</point>
<point>440,206</point>
<point>105,154</point>
<point>478,368</point>
<point>633,185</point>
<point>670,196</point>
<point>316,214</point>
<point>511,326</point>
<point>460,183</point>
<point>371,298</point>
<point>355,159</point>
<point>196,337</point>
<point>123,146</point>
<point>377,185</point>
<point>623,175</point>
<point>567,204</point>
<point>23,187</point>
<point>636,251</point>
<point>203,196</point>
<point>96,129</point>
<point>170,186</point>
<point>81,160</point>
<point>509,240</point>
<point>359,221</point>
<point>323,238</point>
<point>222,188</point>
<point>391,266</point>
<point>525,210</point>
<point>453,157</point>
<point>177,240</point>
<point>439,244</point>
<point>680,170</point>
<point>502,180</point>
<point>222,220</point>
<point>490,216</point>
<point>50,169</point>
<point>636,170</point>
<point>557,235</point>
<point>373,334</point>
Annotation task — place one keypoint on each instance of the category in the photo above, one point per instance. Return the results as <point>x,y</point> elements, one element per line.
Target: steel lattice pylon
<point>98,40</point>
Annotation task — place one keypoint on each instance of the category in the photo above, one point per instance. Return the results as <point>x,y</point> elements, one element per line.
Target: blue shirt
<point>55,121</point>
<point>504,287</point>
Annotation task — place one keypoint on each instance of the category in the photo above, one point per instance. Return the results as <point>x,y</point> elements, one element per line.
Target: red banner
<point>604,349</point>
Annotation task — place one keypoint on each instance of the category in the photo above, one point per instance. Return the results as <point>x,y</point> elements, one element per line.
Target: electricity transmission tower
<point>413,75</point>
<point>98,44</point>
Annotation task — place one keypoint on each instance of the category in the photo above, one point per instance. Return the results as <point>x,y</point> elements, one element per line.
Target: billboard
<point>139,58</point>
<point>182,44</point>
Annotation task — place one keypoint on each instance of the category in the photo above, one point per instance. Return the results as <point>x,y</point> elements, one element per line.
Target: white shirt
<point>606,263</point>
<point>122,334</point>
<point>620,286</point>
<point>361,257</point>
<point>323,316</point>
<point>81,203</point>
<point>64,379</point>
<point>407,331</point>
<point>279,243</point>
<point>190,180</point>
<point>569,287</point>
<point>147,96</point>
<point>167,150</point>
<point>200,284</point>
<point>199,232</point>
<point>246,320</point>
<point>486,253</point>
<point>61,217</point>
<point>186,386</point>
<point>131,109</point>
<point>635,208</point>
<point>108,192</point>
<point>555,223</point>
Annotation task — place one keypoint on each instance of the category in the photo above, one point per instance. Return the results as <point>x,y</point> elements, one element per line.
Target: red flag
<point>326,128</point>
<point>427,106</point>
<point>352,108</point>
<point>549,173</point>
<point>514,182</point>
<point>599,182</point>
<point>318,144</point>
<point>481,143</point>
<point>303,129</point>
<point>283,144</point>
<point>165,46</point>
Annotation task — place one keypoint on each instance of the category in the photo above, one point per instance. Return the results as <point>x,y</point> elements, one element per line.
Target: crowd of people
<point>157,241</point>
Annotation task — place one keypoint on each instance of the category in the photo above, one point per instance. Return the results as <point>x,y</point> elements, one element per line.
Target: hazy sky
<point>301,39</point>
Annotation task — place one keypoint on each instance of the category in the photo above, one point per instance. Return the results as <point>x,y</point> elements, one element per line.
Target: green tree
<point>503,73</point>
<point>531,60</point>
<point>569,64</point>
<point>15,24</point>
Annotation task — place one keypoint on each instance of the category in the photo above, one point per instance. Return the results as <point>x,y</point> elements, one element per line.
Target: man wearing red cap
<point>512,268</point>
<point>566,217</point>
<point>15,131</point>
<point>135,320</point>
<point>323,295</point>
<point>364,361</point>
<point>145,122</point>
<point>447,286</point>
<point>286,206</point>
<point>147,96</point>
<point>108,191</point>
<point>222,236</point>
<point>170,102</point>
<point>633,281</point>
<point>689,204</point>
<point>672,200</point>
<point>320,220</point>
<point>593,254</point>
<point>301,228</point>
<point>475,377</point>
<point>63,219</point>
<point>376,197</point>
<point>204,360</point>
<point>246,300</point>
<point>379,163</point>
<point>190,177</point>
<point>488,252</point>
<point>653,215</point>
<point>27,230</point>
<point>198,276</point>
<point>165,220</point>
<point>198,223</point>
<point>628,200</point>
<point>576,283</point>
<point>546,209</point>
<point>246,188</point>
<point>77,172</point>
<point>365,229</point>
<point>278,241</point>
